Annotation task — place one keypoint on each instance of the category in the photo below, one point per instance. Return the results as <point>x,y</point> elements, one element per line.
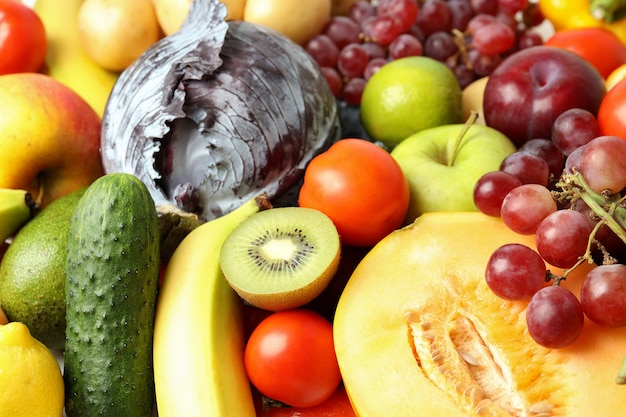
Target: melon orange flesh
<point>418,333</point>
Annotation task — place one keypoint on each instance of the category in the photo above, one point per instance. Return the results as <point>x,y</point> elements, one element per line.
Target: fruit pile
<point>566,191</point>
<point>470,37</point>
<point>469,247</point>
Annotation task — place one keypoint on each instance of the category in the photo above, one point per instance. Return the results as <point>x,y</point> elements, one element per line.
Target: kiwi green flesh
<point>281,258</point>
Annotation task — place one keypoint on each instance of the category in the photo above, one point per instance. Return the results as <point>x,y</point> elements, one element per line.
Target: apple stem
<point>457,143</point>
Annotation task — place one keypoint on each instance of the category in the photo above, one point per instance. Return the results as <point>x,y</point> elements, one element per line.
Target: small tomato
<point>338,405</point>
<point>612,111</point>
<point>23,43</point>
<point>599,46</point>
<point>360,187</point>
<point>290,357</point>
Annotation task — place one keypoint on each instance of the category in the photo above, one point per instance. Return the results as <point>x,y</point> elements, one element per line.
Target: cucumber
<point>112,277</point>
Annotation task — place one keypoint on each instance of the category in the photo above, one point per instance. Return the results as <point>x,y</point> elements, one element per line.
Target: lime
<point>408,95</point>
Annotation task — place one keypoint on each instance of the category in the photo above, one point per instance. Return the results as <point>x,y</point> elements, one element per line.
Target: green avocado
<point>32,272</point>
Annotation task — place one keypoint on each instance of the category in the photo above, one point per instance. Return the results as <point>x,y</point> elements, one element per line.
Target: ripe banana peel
<point>16,208</point>
<point>198,330</point>
<point>66,60</point>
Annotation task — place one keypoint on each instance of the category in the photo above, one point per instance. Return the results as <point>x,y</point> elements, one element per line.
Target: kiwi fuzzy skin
<point>302,268</point>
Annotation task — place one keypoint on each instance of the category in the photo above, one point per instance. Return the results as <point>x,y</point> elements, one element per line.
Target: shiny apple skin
<point>529,89</point>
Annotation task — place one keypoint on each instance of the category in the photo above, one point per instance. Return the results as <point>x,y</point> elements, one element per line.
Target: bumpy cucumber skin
<point>112,279</point>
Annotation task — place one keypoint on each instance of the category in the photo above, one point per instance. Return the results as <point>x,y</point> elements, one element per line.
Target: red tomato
<point>290,357</point>
<point>23,43</point>
<point>612,111</point>
<point>599,46</point>
<point>360,187</point>
<point>338,405</point>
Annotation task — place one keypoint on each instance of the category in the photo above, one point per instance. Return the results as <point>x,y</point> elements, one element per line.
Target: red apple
<point>532,87</point>
<point>49,137</point>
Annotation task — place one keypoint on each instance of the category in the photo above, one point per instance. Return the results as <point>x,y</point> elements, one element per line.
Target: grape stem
<point>607,207</point>
<point>457,143</point>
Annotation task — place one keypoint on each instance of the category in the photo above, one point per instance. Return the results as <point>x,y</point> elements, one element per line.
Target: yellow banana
<point>16,208</point>
<point>198,330</point>
<point>66,60</point>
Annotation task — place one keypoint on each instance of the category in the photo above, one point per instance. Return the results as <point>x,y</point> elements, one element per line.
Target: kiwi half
<point>281,258</point>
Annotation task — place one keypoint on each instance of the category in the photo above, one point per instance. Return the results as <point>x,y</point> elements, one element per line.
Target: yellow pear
<point>298,20</point>
<point>472,99</point>
<point>116,32</point>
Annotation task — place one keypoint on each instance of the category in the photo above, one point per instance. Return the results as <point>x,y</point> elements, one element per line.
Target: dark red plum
<point>531,88</point>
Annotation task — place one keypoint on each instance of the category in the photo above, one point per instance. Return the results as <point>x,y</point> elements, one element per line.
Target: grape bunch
<point>470,36</point>
<point>567,191</point>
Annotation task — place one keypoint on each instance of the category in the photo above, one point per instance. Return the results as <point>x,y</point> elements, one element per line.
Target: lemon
<point>31,383</point>
<point>408,95</point>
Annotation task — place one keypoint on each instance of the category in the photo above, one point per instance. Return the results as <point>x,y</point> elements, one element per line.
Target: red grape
<point>526,206</point>
<point>440,46</point>
<point>333,79</point>
<point>405,10</point>
<point>562,237</point>
<point>573,128</point>
<point>405,45</point>
<point>512,6</point>
<point>353,90</point>
<point>384,29</point>
<point>461,13</point>
<point>434,16</point>
<point>490,190</point>
<point>485,6</point>
<point>603,164</point>
<point>603,295</point>
<point>352,61</point>
<point>373,66</point>
<point>323,50</point>
<point>515,271</point>
<point>554,317</point>
<point>360,10</point>
<point>493,38</point>
<point>546,150</point>
<point>343,31</point>
<point>528,167</point>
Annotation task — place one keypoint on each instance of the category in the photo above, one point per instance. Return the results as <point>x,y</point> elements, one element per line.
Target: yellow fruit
<point>472,99</point>
<point>342,7</point>
<point>418,332</point>
<point>115,32</point>
<point>298,20</point>
<point>31,383</point>
<point>172,13</point>
<point>617,75</point>
<point>409,95</point>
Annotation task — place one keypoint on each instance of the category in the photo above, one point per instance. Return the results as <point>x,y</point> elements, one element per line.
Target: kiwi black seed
<point>281,258</point>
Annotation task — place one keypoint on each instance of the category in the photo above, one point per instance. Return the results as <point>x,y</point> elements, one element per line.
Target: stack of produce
<point>332,207</point>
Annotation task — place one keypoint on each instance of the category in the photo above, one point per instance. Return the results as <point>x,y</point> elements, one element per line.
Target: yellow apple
<point>172,13</point>
<point>298,20</point>
<point>49,137</point>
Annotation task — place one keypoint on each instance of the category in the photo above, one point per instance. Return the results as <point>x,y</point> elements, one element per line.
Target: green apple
<point>443,163</point>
